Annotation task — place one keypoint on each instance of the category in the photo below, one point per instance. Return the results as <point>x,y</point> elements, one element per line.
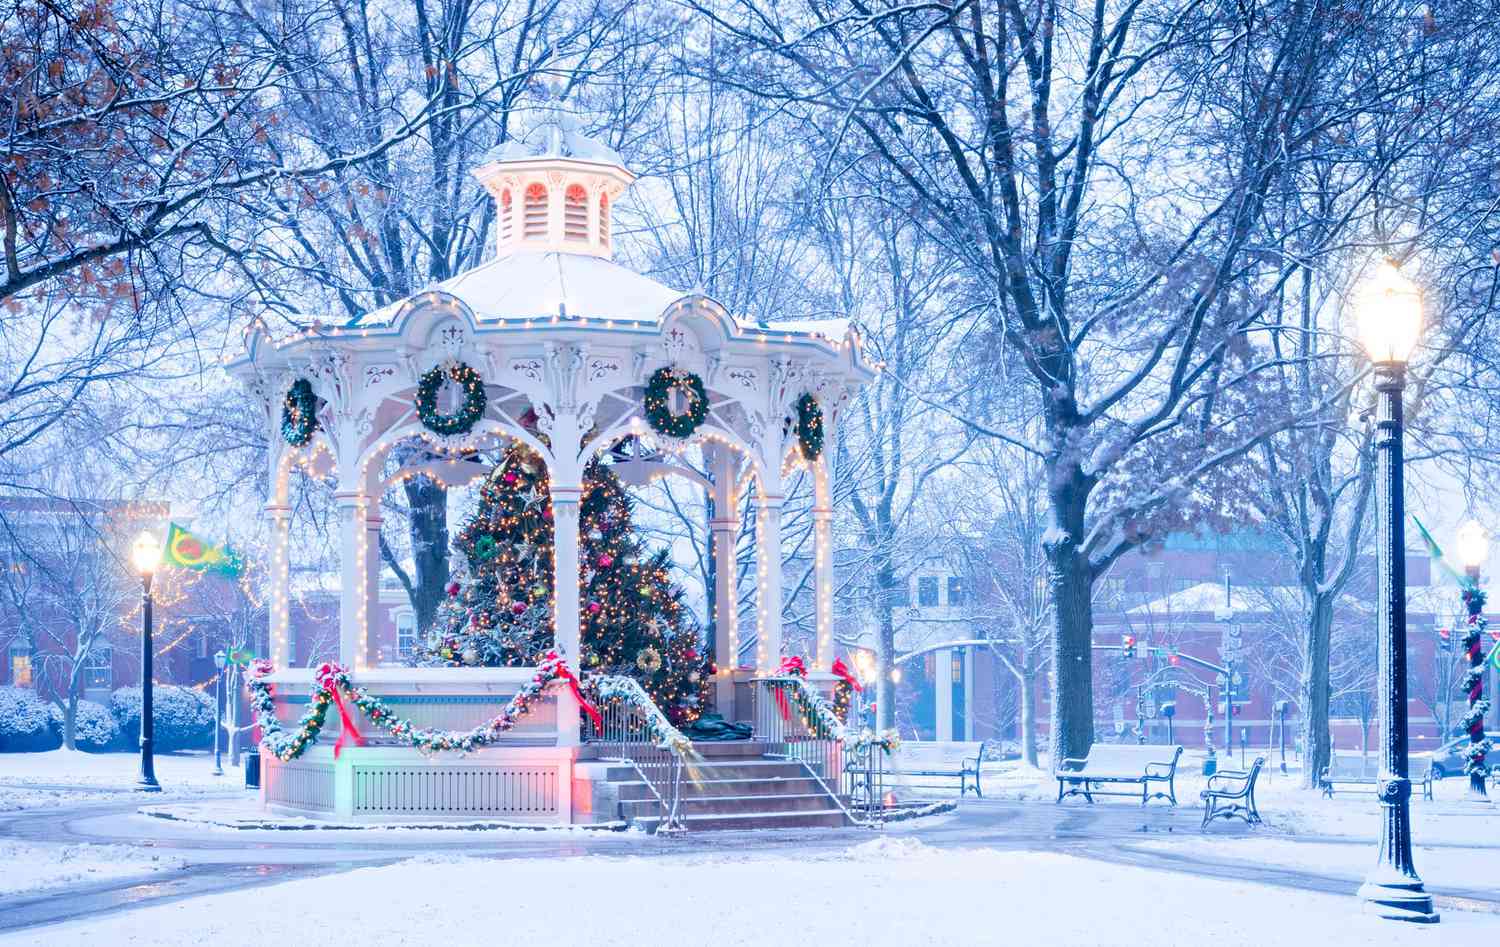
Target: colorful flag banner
<point>191,552</point>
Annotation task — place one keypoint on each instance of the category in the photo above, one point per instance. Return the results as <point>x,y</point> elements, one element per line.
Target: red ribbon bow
<point>560,669</point>
<point>328,677</point>
<point>841,671</point>
<point>789,667</point>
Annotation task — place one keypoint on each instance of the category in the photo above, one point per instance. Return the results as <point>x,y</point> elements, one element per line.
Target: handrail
<point>646,741</point>
<point>816,738</point>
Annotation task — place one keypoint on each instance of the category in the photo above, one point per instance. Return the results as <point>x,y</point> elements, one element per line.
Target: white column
<point>565,614</point>
<point>279,604</point>
<point>369,652</point>
<point>768,569</point>
<point>354,578</point>
<point>723,527</point>
<point>969,694</point>
<point>943,687</point>
<point>823,584</point>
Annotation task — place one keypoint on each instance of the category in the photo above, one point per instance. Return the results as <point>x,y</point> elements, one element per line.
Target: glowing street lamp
<point>146,555</point>
<point>1473,551</point>
<point>1390,320</point>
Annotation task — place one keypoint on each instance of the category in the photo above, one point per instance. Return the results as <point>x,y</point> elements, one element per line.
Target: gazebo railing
<point>626,737</point>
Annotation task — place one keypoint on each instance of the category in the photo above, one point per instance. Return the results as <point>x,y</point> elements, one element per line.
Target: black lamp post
<point>220,660</point>
<point>1473,550</point>
<point>1390,318</point>
<point>1281,731</point>
<point>147,556</point>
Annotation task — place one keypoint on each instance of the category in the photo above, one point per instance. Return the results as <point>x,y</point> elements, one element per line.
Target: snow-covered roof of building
<point>1208,598</point>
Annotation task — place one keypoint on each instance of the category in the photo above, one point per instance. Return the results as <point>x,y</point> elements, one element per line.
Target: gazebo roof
<point>534,287</point>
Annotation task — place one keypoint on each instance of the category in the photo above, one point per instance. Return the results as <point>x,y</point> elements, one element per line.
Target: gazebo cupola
<point>554,192</point>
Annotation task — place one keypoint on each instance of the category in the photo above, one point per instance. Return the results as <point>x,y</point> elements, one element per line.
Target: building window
<point>576,213</point>
<point>927,591</point>
<point>604,220</point>
<point>99,667</point>
<point>958,666</point>
<point>20,664</point>
<point>535,223</point>
<point>505,216</point>
<point>406,634</point>
<point>955,590</point>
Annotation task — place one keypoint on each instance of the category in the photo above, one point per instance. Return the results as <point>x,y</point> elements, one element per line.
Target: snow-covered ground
<point>64,777</point>
<point>1442,868</point>
<point>1446,819</point>
<point>892,890</point>
<point>31,867</point>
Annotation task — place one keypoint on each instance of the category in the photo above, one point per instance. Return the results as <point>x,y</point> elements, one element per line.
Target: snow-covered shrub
<point>25,722</point>
<point>94,729</point>
<point>181,718</point>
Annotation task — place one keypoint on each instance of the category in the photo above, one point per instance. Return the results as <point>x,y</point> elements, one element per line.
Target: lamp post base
<point>1399,901</point>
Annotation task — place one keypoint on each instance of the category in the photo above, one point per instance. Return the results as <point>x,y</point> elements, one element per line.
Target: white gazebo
<point>564,340</point>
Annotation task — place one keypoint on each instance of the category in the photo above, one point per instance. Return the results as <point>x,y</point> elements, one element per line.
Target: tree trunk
<point>1073,634</point>
<point>1028,713</point>
<point>885,649</point>
<point>1315,738</point>
<point>428,501</point>
<point>70,721</point>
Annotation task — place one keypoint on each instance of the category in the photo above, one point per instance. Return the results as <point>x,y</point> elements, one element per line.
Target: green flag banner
<point>1437,556</point>
<point>191,552</point>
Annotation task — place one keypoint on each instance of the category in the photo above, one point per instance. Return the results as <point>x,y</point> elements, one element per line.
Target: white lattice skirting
<point>531,784</point>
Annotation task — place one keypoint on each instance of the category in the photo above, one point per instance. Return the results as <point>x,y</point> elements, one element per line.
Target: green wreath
<point>474,399</point>
<point>658,410</point>
<point>299,413</point>
<point>809,427</point>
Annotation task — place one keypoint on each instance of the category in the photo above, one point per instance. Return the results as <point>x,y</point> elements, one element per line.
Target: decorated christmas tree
<point>499,611</point>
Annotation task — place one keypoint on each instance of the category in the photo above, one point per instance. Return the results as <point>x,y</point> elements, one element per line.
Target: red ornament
<point>452,589</point>
<point>594,608</point>
<point>691,654</point>
<point>510,477</point>
<point>606,560</point>
<point>518,607</point>
<point>547,513</point>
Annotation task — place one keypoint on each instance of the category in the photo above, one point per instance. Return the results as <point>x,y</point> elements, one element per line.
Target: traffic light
<point>1445,639</point>
<point>1127,645</point>
<point>1175,660</point>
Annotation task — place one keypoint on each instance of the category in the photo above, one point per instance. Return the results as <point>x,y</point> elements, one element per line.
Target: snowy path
<point>1115,836</point>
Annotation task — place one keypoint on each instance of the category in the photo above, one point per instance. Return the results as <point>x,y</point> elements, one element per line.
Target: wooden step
<point>725,787</point>
<point>826,818</point>
<point>730,805</point>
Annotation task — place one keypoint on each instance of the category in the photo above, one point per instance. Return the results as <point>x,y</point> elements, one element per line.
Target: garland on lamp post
<point>1472,686</point>
<point>299,413</point>
<point>468,414</point>
<point>658,407</point>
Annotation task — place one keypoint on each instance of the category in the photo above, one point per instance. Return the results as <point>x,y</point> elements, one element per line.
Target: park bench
<point>1231,795</point>
<point>930,759</point>
<point>1328,781</point>
<point>1120,764</point>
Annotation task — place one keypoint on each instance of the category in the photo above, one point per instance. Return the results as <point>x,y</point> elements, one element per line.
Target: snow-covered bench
<point>1123,764</point>
<point>1231,795</point>
<point>1327,781</point>
<point>931,759</point>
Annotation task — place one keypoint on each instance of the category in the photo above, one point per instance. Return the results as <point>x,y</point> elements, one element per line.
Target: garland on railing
<point>332,685</point>
<point>820,717</point>
<point>629,690</point>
